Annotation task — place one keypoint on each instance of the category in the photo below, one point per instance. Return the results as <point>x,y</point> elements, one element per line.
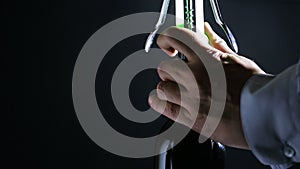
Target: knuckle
<point>163,65</point>
<point>165,37</point>
<point>168,66</point>
<point>161,39</point>
<point>218,40</point>
<point>170,30</point>
<point>162,85</point>
<point>171,111</point>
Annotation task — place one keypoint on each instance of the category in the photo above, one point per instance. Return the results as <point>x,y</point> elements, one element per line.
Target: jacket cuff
<point>267,117</point>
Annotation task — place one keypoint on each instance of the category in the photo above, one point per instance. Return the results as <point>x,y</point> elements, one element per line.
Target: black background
<point>40,41</point>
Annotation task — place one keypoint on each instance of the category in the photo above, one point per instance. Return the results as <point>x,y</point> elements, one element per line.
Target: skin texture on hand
<point>174,96</point>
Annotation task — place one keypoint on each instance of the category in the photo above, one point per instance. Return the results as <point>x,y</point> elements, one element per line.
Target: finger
<point>169,91</point>
<point>188,43</point>
<point>170,110</point>
<point>171,46</point>
<point>215,40</point>
<point>171,41</point>
<point>172,70</point>
<point>164,75</point>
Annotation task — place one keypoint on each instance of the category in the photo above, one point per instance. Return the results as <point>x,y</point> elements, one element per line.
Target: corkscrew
<point>188,153</point>
<point>185,17</point>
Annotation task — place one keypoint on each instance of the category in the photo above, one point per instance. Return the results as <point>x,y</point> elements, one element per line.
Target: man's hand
<point>175,96</point>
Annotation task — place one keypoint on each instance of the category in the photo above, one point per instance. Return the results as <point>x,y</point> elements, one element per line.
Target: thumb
<point>215,40</point>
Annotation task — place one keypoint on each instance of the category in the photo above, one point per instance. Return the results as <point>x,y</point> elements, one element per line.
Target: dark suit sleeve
<point>270,112</point>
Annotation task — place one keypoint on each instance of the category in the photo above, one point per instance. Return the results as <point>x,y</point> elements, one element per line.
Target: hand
<point>177,95</point>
